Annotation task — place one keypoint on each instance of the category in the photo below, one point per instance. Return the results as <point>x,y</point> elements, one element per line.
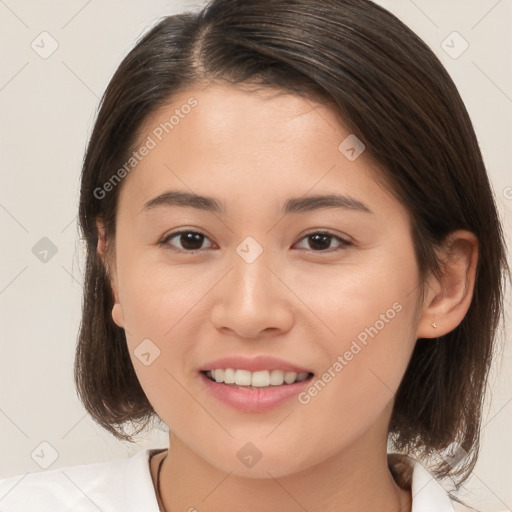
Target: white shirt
<point>126,485</point>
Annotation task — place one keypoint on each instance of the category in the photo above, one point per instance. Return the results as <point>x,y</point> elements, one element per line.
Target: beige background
<point>47,109</point>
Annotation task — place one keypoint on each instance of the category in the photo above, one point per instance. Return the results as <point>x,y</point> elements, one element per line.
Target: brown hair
<point>393,93</point>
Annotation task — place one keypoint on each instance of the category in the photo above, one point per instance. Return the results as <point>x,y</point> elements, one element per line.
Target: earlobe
<point>450,296</point>
<point>117,314</point>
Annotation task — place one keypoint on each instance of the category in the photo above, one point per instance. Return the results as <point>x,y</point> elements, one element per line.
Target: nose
<point>253,301</point>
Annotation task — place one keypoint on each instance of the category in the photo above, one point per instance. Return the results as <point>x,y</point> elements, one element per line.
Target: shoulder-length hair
<point>393,93</point>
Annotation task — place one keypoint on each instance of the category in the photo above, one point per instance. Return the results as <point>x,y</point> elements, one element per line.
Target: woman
<point>294,260</point>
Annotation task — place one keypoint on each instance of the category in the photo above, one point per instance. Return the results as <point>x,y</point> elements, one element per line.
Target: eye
<point>190,241</point>
<point>321,241</point>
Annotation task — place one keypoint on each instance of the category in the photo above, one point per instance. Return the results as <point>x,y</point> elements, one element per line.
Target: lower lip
<point>254,400</point>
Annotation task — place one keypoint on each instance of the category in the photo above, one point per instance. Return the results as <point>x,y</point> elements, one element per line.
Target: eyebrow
<point>292,205</point>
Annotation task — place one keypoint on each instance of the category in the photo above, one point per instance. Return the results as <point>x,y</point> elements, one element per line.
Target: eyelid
<point>322,231</point>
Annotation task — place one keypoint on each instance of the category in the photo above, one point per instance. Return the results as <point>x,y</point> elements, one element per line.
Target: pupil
<point>322,238</point>
<point>189,241</point>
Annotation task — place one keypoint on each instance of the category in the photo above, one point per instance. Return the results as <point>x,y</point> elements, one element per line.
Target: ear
<point>117,312</point>
<point>448,298</point>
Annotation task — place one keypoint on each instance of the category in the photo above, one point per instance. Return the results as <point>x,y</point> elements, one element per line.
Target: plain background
<point>48,106</point>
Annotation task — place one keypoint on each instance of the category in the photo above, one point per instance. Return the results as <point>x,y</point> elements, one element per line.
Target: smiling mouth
<point>255,380</point>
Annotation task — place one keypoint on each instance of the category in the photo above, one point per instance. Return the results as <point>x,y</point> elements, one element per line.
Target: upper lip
<point>253,364</point>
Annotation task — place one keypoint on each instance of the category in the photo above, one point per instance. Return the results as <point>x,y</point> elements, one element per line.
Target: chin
<point>267,462</point>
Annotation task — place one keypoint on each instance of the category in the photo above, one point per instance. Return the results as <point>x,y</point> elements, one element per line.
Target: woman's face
<point>260,278</point>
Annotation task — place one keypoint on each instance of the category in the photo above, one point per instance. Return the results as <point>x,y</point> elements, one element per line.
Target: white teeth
<point>258,379</point>
<point>229,376</point>
<point>290,377</point>
<point>276,377</point>
<point>302,376</point>
<point>242,377</point>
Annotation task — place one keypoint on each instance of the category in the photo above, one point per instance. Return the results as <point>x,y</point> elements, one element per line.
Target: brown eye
<point>188,241</point>
<point>321,241</point>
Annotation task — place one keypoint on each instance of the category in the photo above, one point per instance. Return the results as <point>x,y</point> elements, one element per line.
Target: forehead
<point>241,116</point>
<point>247,146</point>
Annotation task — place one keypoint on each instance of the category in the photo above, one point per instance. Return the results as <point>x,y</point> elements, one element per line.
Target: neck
<point>351,481</point>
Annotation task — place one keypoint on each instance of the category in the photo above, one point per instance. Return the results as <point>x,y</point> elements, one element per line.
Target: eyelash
<point>343,242</point>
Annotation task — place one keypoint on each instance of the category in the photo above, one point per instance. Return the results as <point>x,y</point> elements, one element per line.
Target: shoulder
<point>426,490</point>
<point>117,485</point>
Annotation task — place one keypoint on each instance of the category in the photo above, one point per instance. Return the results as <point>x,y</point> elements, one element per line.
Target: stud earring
<point>434,325</point>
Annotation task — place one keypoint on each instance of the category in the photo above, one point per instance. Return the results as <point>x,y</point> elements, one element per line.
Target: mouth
<point>254,384</point>
<point>262,379</point>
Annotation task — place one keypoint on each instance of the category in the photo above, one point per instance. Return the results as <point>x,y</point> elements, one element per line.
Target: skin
<point>253,151</point>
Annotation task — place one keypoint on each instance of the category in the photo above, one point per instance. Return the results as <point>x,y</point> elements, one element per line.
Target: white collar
<point>428,495</point>
<point>126,484</point>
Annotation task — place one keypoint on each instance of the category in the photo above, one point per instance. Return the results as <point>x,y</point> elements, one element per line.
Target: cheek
<point>158,302</point>
<point>369,316</point>
<point>156,297</point>
<point>373,323</point>
<point>378,290</point>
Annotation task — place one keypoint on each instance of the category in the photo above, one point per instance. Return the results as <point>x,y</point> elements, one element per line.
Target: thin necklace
<point>161,504</point>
